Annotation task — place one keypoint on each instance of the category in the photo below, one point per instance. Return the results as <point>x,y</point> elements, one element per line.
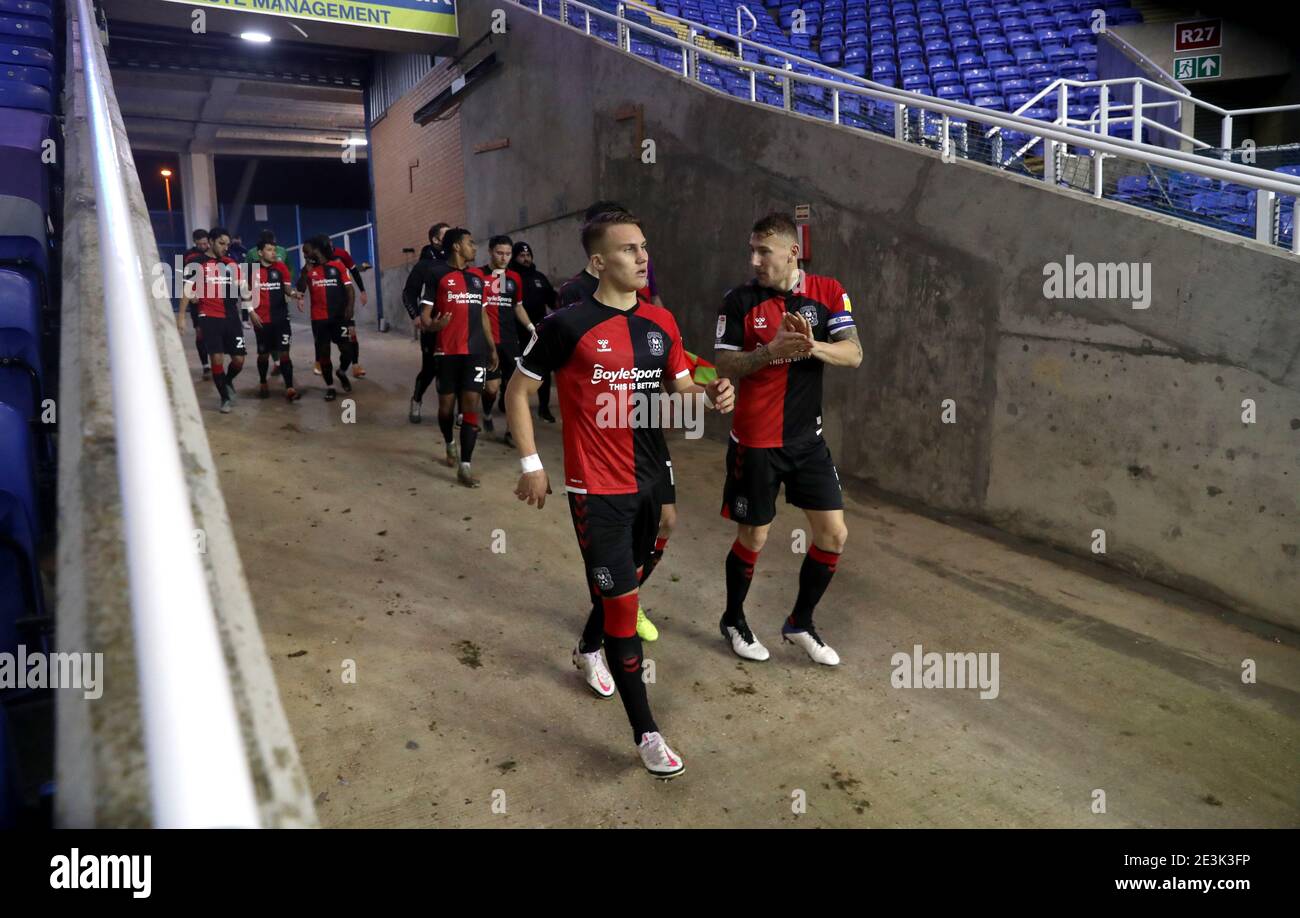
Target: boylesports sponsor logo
<point>623,374</point>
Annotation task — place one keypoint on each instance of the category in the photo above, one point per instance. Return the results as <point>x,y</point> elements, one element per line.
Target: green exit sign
<point>1201,67</point>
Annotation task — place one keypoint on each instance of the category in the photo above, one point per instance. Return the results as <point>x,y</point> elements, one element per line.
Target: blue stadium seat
<point>27,96</point>
<point>19,537</point>
<point>21,376</point>
<point>24,186</point>
<point>26,56</point>
<point>23,30</point>
<point>33,9</point>
<point>20,74</point>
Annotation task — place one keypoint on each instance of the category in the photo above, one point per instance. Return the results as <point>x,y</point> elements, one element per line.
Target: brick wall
<point>408,201</point>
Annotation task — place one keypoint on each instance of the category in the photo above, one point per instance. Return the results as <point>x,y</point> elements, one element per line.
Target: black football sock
<point>740,573</point>
<point>814,577</point>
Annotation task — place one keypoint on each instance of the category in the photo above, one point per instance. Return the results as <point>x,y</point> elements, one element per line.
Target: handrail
<point>1280,183</point>
<point>752,18</point>
<point>198,770</point>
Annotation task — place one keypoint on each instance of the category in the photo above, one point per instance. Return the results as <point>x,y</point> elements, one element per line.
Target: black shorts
<point>327,331</point>
<point>755,474</point>
<point>273,337</point>
<point>461,373</point>
<point>616,534</point>
<point>223,336</point>
<point>666,489</point>
<point>506,354</point>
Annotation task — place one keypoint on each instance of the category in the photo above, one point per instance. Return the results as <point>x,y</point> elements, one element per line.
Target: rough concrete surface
<point>358,546</point>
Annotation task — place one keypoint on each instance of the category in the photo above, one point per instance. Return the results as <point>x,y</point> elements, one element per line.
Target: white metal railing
<point>346,236</point>
<point>949,113</point>
<point>1103,117</point>
<point>198,769</point>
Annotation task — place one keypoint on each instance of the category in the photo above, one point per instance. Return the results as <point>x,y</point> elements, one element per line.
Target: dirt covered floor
<point>466,711</point>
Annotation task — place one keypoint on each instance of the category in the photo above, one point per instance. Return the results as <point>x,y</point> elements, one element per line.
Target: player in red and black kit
<point>775,335</point>
<point>332,300</point>
<point>344,257</point>
<point>503,300</point>
<point>215,294</point>
<point>606,347</point>
<point>194,254</point>
<point>466,351</point>
<point>270,316</point>
<point>583,285</point>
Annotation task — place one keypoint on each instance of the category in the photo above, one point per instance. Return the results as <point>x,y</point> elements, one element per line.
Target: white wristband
<point>531,463</point>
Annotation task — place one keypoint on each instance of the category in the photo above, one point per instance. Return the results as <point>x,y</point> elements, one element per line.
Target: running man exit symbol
<point>1203,67</point>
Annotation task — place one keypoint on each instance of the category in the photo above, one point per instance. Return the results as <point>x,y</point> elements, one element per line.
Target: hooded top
<point>539,295</point>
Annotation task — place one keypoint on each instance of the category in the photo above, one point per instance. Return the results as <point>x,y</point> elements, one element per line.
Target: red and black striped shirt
<point>272,284</point>
<point>502,293</point>
<point>596,353</point>
<point>458,291</point>
<point>780,404</point>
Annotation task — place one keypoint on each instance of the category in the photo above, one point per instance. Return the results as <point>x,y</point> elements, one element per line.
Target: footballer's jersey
<point>273,284</point>
<point>458,292</point>
<point>781,404</point>
<point>218,290</point>
<point>583,285</point>
<point>328,284</point>
<point>600,356</point>
<point>501,294</point>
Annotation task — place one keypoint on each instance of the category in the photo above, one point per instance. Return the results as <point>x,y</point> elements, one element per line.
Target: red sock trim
<point>470,417</point>
<point>829,558</point>
<point>660,544</point>
<point>744,554</point>
<point>620,615</point>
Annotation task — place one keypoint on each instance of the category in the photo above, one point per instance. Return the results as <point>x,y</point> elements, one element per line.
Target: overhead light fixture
<point>357,142</point>
<point>166,173</point>
<point>259,38</point>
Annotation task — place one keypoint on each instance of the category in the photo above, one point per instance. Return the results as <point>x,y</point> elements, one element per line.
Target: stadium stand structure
<point>1001,55</point>
<point>30,184</point>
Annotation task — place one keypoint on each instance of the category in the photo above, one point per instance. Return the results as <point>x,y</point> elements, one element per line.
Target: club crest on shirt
<point>809,313</point>
<point>603,578</point>
<point>656,342</point>
<point>722,327</point>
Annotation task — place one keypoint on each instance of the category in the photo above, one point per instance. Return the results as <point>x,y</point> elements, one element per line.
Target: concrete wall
<point>1072,415</point>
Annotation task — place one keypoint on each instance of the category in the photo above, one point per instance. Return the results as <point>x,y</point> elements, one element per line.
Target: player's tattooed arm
<point>843,350</point>
<point>738,364</point>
